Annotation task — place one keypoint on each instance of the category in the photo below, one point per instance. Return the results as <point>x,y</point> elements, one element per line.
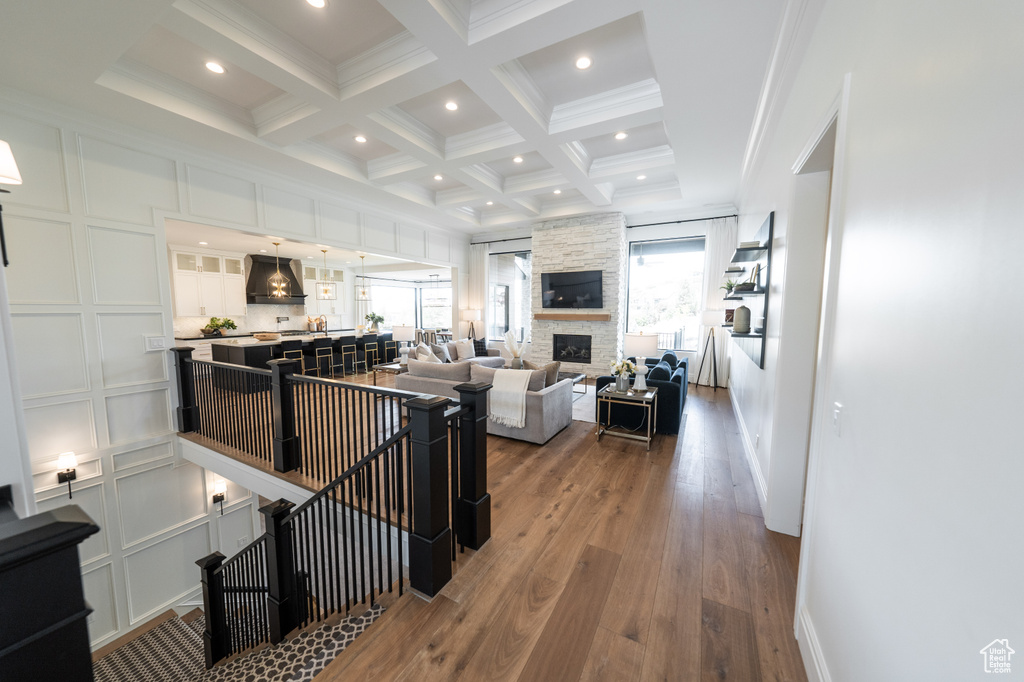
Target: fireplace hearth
<point>571,348</point>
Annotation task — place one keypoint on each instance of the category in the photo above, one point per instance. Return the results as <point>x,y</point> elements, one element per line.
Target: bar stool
<point>292,350</point>
<point>348,350</point>
<point>390,351</point>
<point>322,351</point>
<point>369,350</point>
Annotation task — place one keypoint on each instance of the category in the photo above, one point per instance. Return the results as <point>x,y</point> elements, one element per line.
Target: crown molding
<point>629,99</point>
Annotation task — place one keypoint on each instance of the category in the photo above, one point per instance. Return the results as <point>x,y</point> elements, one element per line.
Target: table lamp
<point>405,334</point>
<point>640,346</point>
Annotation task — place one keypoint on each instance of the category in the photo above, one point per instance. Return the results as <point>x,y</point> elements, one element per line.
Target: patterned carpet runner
<point>173,652</point>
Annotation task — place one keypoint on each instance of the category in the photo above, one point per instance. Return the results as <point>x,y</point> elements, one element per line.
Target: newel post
<point>282,604</point>
<point>474,503</point>
<point>185,377</point>
<point>215,636</point>
<point>430,542</point>
<point>286,445</point>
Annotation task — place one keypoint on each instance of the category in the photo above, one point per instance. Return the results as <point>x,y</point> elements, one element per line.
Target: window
<point>396,304</point>
<point>436,307</point>
<point>509,295</point>
<point>664,291</point>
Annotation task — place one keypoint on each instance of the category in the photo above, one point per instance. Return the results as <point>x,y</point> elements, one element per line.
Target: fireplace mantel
<point>570,317</point>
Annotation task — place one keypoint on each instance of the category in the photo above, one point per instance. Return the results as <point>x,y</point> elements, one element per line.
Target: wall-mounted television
<point>571,289</point>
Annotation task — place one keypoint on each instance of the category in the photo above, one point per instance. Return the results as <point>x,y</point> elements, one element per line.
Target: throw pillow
<point>465,349</point>
<point>441,352</point>
<point>660,372</point>
<point>422,351</point>
<point>479,347</point>
<point>453,352</point>
<point>550,371</point>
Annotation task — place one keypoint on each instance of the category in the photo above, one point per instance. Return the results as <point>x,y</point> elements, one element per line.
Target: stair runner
<point>173,652</point>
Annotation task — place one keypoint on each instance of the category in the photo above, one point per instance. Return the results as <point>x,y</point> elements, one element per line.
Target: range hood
<point>257,290</point>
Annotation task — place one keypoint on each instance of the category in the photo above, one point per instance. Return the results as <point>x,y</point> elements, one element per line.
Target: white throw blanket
<point>508,397</point>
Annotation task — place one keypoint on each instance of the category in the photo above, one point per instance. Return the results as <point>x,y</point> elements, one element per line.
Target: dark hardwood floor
<point>606,563</point>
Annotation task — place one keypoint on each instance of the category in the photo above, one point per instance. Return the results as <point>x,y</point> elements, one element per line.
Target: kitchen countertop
<point>291,333</point>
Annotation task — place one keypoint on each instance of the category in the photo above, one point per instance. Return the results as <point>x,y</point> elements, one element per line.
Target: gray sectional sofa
<point>548,409</point>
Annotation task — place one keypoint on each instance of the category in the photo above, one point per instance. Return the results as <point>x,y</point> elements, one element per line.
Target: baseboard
<point>810,649</point>
<point>748,449</point>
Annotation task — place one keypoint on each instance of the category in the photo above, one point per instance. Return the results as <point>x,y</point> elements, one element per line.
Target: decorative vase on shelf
<point>621,383</point>
<point>373,329</point>
<point>516,363</point>
<point>359,331</point>
<point>741,320</point>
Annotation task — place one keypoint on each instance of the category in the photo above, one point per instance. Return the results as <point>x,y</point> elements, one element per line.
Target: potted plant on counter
<point>217,325</point>
<point>374,319</point>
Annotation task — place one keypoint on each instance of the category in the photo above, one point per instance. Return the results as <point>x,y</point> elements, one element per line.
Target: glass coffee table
<point>389,368</point>
<point>577,378</point>
<point>645,400</point>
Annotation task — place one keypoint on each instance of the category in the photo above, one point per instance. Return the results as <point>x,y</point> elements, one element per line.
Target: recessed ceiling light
<point>360,139</point>
<point>319,4</point>
<point>518,159</point>
<point>439,177</point>
<point>308,257</point>
<point>641,177</point>
<point>451,106</point>
<point>558,191</point>
<point>348,262</point>
<point>203,243</point>
<point>583,63</point>
<point>263,250</point>
<point>215,67</point>
<point>621,136</point>
<point>490,203</point>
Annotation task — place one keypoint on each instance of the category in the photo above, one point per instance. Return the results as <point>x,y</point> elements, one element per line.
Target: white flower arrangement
<point>515,348</point>
<point>623,367</point>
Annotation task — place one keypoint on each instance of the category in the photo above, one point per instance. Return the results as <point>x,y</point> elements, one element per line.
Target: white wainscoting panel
<point>340,223</point>
<point>59,427</point>
<point>124,184</point>
<point>153,453</point>
<point>37,149</point>
<point>235,526</point>
<point>133,416</point>
<point>125,361</point>
<point>51,353</point>
<point>157,500</point>
<point>439,247</point>
<point>90,499</point>
<point>285,212</point>
<point>379,233</point>
<point>99,594</point>
<point>42,268</point>
<point>118,257</point>
<point>222,197</point>
<point>412,241</point>
<point>159,574</point>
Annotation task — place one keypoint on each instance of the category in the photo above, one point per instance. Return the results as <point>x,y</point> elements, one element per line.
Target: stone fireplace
<point>589,242</point>
<point>571,348</point>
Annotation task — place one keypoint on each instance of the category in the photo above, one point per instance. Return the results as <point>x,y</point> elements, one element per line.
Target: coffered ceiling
<point>533,136</point>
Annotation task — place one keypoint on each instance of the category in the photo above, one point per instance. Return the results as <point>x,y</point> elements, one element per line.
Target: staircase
<point>173,652</point>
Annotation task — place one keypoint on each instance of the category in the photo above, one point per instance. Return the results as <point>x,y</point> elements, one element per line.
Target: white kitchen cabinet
<point>207,286</point>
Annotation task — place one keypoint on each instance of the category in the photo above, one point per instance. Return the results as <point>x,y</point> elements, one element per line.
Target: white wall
<point>88,281</point>
<point>911,561</point>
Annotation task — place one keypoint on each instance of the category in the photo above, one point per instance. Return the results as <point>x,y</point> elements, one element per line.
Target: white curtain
<point>719,245</point>
<point>476,296</point>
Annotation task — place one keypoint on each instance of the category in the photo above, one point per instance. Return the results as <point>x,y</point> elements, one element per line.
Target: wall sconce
<point>220,491</point>
<point>67,462</point>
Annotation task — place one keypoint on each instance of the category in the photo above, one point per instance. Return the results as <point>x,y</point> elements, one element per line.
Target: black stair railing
<point>43,635</point>
<point>390,481</point>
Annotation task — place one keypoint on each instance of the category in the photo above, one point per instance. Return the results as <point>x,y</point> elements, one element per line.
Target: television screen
<point>571,289</point>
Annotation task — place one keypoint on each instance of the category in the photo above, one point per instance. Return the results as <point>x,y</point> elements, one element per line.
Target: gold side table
<point>646,400</point>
